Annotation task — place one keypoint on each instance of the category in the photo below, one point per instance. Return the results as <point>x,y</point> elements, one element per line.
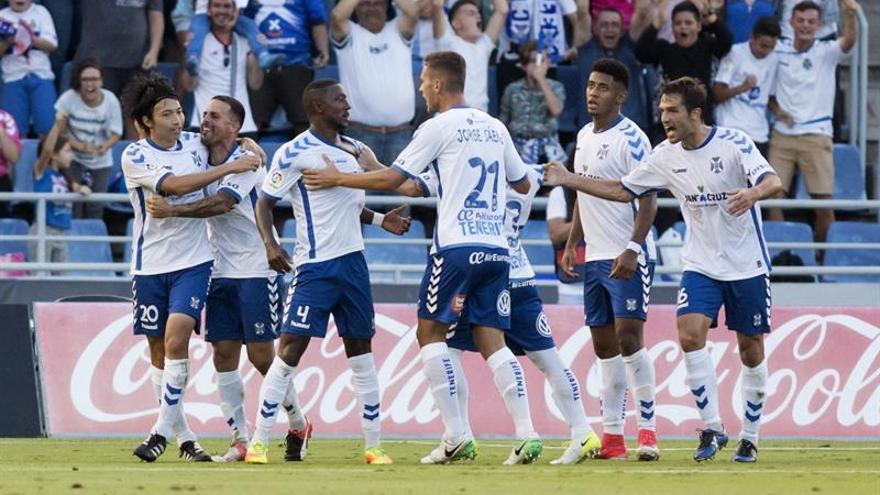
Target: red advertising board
<point>824,376</point>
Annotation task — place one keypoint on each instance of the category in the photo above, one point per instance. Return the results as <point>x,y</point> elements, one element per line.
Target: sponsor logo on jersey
<point>503,304</point>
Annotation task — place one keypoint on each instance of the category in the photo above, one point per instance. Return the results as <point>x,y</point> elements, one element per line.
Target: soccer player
<point>171,260</point>
<point>718,176</point>
<point>620,260</point>
<point>473,157</point>
<point>243,305</point>
<point>530,332</point>
<point>331,274</point>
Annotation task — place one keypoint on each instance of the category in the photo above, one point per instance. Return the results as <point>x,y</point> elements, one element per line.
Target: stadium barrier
<point>40,268</point>
<point>19,387</point>
<point>824,376</point>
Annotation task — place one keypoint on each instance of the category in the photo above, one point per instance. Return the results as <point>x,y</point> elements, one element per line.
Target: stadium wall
<point>824,376</point>
<point>19,390</point>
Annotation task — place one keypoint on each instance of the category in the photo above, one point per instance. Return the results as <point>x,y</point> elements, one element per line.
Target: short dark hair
<point>235,107</point>
<point>613,10</point>
<point>142,94</point>
<point>613,68</point>
<point>76,73</point>
<point>767,26</point>
<point>691,90</point>
<point>526,50</point>
<point>807,5</point>
<point>60,142</point>
<point>452,66</point>
<point>314,91</point>
<point>686,6</point>
<point>459,4</point>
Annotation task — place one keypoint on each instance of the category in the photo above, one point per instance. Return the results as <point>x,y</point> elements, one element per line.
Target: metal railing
<point>40,267</point>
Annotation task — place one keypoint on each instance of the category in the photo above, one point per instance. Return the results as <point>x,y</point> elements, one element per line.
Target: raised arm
<point>255,74</point>
<point>641,19</point>
<point>583,28</point>
<point>850,25</point>
<point>340,19</point>
<point>555,174</point>
<point>156,20</point>
<point>496,22</point>
<point>406,23</point>
<point>438,20</point>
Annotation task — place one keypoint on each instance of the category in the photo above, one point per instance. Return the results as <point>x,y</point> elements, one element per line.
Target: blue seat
<point>396,254</point>
<point>288,229</point>
<point>88,251</point>
<point>538,254</point>
<point>23,171</point>
<point>327,72</point>
<point>791,232</point>
<point>270,147</point>
<point>569,76</point>
<point>849,175</point>
<point>853,232</point>
<point>492,80</point>
<point>680,227</point>
<point>13,226</point>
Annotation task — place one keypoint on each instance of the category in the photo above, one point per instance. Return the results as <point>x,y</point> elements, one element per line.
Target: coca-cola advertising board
<point>824,376</point>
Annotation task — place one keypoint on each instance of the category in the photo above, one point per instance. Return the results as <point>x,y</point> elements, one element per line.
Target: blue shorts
<point>340,287</point>
<point>529,327</point>
<point>472,277</point>
<point>243,309</point>
<point>746,302</point>
<point>606,298</point>
<point>157,296</point>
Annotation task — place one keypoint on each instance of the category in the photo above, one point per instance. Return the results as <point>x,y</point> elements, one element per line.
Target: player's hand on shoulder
<point>740,201</point>
<point>159,207</point>
<point>247,163</point>
<point>323,178</point>
<point>249,144</point>
<point>554,173</point>
<point>278,258</point>
<point>395,223</point>
<point>624,266</point>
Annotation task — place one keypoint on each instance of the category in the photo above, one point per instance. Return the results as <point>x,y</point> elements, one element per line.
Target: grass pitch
<point>49,466</point>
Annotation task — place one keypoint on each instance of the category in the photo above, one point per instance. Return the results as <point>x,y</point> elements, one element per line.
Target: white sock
<point>640,375</point>
<point>173,385</point>
<point>440,375</point>
<point>754,384</point>
<point>231,389</point>
<point>296,420</point>
<point>156,377</point>
<point>181,429</point>
<point>613,395</point>
<point>272,393</point>
<point>366,386</point>
<point>462,385</point>
<point>566,391</point>
<point>511,384</point>
<point>703,383</point>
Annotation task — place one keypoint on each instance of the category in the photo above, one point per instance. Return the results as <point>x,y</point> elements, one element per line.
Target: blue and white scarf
<point>540,20</point>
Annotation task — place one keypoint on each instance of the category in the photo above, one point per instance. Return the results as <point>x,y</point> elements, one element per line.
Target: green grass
<point>50,466</point>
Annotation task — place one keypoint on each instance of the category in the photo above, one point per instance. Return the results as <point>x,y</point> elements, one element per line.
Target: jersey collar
<point>705,141</point>
<point>618,120</point>
<point>152,143</point>
<point>228,156</point>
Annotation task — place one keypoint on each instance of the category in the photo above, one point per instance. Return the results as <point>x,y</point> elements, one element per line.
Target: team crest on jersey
<point>631,304</point>
<point>603,151</point>
<point>756,319</point>
<point>197,159</point>
<point>503,304</point>
<point>259,328</point>
<point>808,64</point>
<point>543,325</point>
<point>152,167</point>
<point>194,302</point>
<point>716,165</point>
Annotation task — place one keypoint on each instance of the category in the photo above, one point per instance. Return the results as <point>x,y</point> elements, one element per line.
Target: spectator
<point>90,119</point>
<point>226,67</point>
<point>830,18</point>
<point>52,175</point>
<point>803,103</point>
<point>741,15</point>
<point>124,37</point>
<point>744,81</point>
<point>699,38</point>
<point>530,107</point>
<point>626,9</point>
<point>293,30</point>
<point>193,25</point>
<point>64,17</point>
<point>10,151</point>
<point>606,38</point>
<point>375,63</point>
<point>468,39</point>
<point>28,36</point>
<point>423,42</point>
<point>542,21</point>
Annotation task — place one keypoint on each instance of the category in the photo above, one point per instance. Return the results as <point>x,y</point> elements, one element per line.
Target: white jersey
<point>236,242</point>
<point>474,158</point>
<point>223,71</point>
<point>747,111</point>
<point>610,154</point>
<point>718,245</point>
<point>328,222</point>
<point>805,83</point>
<point>476,56</point>
<point>164,245</point>
<point>519,208</point>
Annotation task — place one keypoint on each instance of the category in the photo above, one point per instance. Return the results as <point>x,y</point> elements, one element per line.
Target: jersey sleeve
<point>755,166</point>
<point>645,178</point>
<point>141,170</point>
<point>421,151</point>
<point>285,172</point>
<point>428,183</point>
<point>239,185</point>
<point>726,69</point>
<point>515,169</point>
<point>556,207</point>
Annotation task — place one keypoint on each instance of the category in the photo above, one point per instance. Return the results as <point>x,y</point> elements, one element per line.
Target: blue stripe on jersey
<point>708,138</point>
<point>437,174</point>
<point>403,172</point>
<point>426,191</point>
<point>253,196</point>
<point>162,181</point>
<point>760,235</point>
<point>273,198</point>
<point>232,192</point>
<point>310,227</point>
<point>140,241</point>
<point>815,121</point>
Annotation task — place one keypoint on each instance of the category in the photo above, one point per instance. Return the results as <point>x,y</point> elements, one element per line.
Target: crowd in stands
<point>769,65</point>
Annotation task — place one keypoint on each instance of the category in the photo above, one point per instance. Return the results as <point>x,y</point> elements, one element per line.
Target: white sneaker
<point>236,453</point>
<point>445,453</point>
<point>526,452</point>
<point>580,449</point>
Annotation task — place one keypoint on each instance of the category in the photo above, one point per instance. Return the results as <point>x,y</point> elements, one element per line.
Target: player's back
<point>163,245</point>
<point>472,154</point>
<point>235,240</point>
<point>327,220</point>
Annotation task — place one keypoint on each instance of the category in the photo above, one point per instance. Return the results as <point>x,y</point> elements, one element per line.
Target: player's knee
<point>356,347</point>
<point>291,348</point>
<point>629,344</point>
<point>261,361</point>
<point>751,351</point>
<point>690,342</point>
